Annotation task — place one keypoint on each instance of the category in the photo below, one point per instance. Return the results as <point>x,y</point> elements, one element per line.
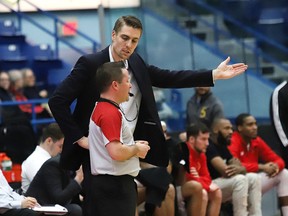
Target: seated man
<point>228,173</point>
<point>12,204</point>
<point>192,156</point>
<point>162,194</point>
<point>257,156</point>
<point>188,193</point>
<point>51,145</point>
<point>159,196</point>
<point>53,185</point>
<point>155,189</point>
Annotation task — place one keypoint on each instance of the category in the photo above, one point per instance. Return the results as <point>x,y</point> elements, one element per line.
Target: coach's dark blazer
<point>53,185</point>
<point>81,86</point>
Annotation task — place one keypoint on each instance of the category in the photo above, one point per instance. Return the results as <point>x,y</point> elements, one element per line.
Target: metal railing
<point>245,28</point>
<point>173,13</point>
<point>34,120</point>
<point>21,15</point>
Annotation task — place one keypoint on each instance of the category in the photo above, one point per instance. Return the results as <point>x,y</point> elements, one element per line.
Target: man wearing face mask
<point>244,190</point>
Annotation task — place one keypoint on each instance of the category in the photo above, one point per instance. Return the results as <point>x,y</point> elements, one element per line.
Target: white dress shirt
<point>31,166</point>
<point>8,198</point>
<point>130,107</point>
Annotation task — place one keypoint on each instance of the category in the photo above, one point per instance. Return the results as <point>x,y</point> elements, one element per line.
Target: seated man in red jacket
<point>192,157</point>
<point>257,156</point>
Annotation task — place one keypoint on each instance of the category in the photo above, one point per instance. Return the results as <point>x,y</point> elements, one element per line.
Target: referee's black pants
<point>113,195</point>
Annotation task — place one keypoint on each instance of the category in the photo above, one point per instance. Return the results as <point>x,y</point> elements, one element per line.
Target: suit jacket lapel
<point>145,86</point>
<point>138,72</point>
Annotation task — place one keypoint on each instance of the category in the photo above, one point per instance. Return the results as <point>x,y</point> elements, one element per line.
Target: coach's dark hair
<point>130,21</point>
<point>107,73</point>
<point>195,129</point>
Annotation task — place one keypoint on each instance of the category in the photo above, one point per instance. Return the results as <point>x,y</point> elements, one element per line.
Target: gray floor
<point>270,204</point>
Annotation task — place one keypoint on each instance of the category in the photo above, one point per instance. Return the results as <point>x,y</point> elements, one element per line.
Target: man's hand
<point>79,176</point>
<point>43,93</point>
<point>194,172</point>
<point>235,161</point>
<point>275,168</point>
<point>225,71</point>
<point>83,142</point>
<point>143,148</point>
<point>234,169</point>
<point>271,169</point>
<point>29,202</point>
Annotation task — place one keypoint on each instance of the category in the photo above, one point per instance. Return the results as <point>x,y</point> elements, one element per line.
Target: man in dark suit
<point>140,110</point>
<point>54,185</point>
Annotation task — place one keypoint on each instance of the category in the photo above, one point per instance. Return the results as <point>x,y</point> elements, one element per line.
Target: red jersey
<point>198,161</point>
<point>251,155</point>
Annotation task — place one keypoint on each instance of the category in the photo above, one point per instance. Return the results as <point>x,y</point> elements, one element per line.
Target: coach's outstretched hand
<point>225,71</point>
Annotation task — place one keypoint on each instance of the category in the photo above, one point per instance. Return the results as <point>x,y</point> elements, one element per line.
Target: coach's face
<point>124,42</point>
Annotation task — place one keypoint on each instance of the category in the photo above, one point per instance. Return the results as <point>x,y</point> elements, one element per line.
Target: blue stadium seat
<point>42,60</point>
<point>274,20</point>
<point>9,34</point>
<point>7,27</point>
<point>273,4</point>
<point>11,57</point>
<point>42,52</point>
<point>245,11</point>
<point>273,23</point>
<point>11,52</point>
